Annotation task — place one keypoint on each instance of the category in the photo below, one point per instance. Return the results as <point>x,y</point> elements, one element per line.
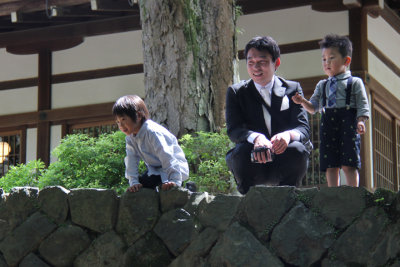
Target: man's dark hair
<point>342,43</point>
<point>131,105</point>
<point>264,43</point>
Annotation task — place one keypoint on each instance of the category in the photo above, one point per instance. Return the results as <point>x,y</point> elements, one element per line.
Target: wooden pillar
<point>44,103</point>
<point>358,34</point>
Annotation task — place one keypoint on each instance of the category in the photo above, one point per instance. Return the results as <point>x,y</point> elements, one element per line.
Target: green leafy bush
<point>205,153</point>
<point>22,175</point>
<point>87,162</point>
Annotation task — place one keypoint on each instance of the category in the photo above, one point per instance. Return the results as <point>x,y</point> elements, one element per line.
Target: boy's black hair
<point>131,105</point>
<point>263,43</point>
<point>342,43</point>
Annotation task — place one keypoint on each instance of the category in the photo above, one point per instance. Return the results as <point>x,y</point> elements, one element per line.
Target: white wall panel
<point>31,141</point>
<point>96,91</point>
<point>100,52</point>
<point>384,75</point>
<point>18,100</point>
<point>292,25</point>
<point>13,67</point>
<point>55,139</point>
<point>378,30</point>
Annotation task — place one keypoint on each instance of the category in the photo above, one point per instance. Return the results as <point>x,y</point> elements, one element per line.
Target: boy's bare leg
<point>332,176</point>
<point>352,177</point>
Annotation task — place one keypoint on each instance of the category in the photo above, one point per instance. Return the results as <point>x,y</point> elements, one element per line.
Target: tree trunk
<point>189,53</point>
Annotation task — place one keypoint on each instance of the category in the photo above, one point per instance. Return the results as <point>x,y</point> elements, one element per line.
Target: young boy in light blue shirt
<point>343,102</point>
<point>148,141</point>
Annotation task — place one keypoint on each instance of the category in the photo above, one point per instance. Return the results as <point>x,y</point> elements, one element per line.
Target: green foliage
<point>205,153</point>
<point>22,175</point>
<point>85,161</point>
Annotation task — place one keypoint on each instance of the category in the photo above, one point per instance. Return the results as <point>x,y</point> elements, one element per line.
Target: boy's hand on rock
<point>134,188</point>
<point>167,185</point>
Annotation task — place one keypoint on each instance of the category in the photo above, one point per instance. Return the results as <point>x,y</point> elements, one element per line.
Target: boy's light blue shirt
<point>160,151</point>
<point>358,97</point>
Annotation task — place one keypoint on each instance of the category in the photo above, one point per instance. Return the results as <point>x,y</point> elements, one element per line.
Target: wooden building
<point>64,62</point>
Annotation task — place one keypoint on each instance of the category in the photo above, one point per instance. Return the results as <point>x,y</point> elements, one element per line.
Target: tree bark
<point>189,53</point>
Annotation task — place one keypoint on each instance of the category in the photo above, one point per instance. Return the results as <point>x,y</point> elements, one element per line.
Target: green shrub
<point>205,153</point>
<point>87,162</point>
<point>22,175</point>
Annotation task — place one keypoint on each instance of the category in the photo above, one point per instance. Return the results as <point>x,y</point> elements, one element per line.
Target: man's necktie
<point>266,96</point>
<point>332,93</point>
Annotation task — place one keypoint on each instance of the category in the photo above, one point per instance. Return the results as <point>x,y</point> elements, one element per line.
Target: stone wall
<point>270,226</point>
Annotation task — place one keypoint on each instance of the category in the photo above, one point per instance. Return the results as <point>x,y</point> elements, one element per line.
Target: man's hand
<point>167,185</point>
<point>280,142</point>
<point>261,141</point>
<point>134,188</point>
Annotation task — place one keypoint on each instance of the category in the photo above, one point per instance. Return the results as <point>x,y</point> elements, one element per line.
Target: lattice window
<point>10,151</point>
<point>314,176</point>
<point>94,129</point>
<point>383,150</point>
<point>398,155</point>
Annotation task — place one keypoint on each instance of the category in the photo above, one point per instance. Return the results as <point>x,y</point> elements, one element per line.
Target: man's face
<point>260,66</point>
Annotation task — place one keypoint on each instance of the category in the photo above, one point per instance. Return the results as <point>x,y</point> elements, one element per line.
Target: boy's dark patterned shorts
<point>340,142</point>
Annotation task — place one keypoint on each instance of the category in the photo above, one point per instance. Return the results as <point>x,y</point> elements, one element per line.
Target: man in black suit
<point>260,113</point>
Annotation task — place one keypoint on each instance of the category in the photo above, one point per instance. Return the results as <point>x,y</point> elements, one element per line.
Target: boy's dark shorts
<point>340,142</point>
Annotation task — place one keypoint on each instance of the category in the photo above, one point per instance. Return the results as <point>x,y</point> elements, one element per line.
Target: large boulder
<point>32,260</point>
<point>149,250</point>
<point>218,212</point>
<point>302,237</point>
<point>340,205</point>
<point>263,207</point>
<point>176,228</point>
<point>53,201</point>
<point>26,238</point>
<point>196,253</point>
<point>387,249</point>
<point>192,206</point>
<point>95,209</point>
<point>238,247</point>
<point>138,213</point>
<point>62,246</point>
<point>175,198</point>
<point>107,250</point>
<point>355,244</point>
<point>16,207</point>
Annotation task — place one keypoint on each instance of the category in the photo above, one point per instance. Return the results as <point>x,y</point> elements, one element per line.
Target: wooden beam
<point>92,28</point>
<point>75,76</point>
<point>6,7</point>
<point>358,34</point>
<point>256,6</point>
<point>52,45</point>
<point>56,116</point>
<point>383,58</point>
<point>385,98</point>
<point>107,5</point>
<point>391,18</point>
<point>44,103</point>
<point>328,5</point>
